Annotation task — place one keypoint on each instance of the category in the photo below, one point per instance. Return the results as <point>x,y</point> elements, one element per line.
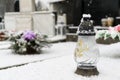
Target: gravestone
<point>28,19</point>
<point>23,22</point>
<point>16,21</point>
<point>44,22</point>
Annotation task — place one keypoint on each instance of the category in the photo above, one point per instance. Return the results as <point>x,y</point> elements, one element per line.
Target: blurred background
<point>61,16</point>
<point>74,9</point>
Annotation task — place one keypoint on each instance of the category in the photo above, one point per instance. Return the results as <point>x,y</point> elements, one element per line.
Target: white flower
<point>114,34</point>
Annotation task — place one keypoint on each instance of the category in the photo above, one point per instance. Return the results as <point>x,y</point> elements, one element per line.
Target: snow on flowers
<point>28,42</point>
<point>112,32</point>
<point>29,35</point>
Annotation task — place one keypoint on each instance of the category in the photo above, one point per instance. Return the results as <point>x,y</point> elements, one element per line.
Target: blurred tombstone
<point>44,22</point>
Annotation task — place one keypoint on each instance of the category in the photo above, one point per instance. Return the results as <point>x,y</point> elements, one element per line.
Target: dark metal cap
<point>86,26</point>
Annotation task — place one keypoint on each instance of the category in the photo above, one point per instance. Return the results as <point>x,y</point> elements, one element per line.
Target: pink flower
<point>117,28</point>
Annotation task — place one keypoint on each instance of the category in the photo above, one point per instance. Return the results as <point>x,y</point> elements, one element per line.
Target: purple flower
<point>29,35</point>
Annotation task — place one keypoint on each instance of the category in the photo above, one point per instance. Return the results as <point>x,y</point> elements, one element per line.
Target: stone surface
<point>24,22</point>
<point>10,21</point>
<point>18,21</point>
<point>44,22</point>
<point>27,5</point>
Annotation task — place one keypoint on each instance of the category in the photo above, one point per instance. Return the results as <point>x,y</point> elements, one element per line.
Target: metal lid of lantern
<point>86,26</point>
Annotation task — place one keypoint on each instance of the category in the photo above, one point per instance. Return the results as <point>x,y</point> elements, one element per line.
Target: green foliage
<point>21,45</point>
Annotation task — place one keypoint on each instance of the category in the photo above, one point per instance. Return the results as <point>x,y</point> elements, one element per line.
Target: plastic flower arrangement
<point>112,35</point>
<point>28,42</point>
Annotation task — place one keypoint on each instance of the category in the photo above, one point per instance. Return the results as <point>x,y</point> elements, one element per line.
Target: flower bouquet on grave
<point>28,42</point>
<point>112,35</point>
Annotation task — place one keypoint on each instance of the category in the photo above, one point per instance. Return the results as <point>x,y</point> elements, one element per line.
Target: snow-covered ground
<point>58,64</point>
<point>7,58</point>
